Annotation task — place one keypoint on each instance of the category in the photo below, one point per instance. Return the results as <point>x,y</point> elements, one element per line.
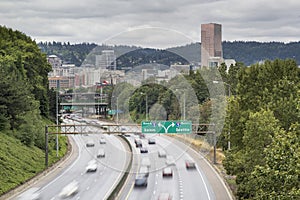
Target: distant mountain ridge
<point>245,52</point>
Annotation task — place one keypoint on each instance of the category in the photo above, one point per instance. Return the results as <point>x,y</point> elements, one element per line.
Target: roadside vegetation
<point>25,109</point>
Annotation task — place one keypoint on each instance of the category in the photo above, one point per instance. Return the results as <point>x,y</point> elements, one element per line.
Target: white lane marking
<point>206,189</point>
<point>205,186</point>
<point>88,188</point>
<point>219,177</point>
<point>120,174</point>
<point>68,169</point>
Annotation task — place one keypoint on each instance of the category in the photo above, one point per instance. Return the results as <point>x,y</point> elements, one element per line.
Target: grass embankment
<point>19,163</point>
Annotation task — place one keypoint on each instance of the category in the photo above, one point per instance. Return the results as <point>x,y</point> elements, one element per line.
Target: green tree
<point>279,177</point>
<point>266,102</point>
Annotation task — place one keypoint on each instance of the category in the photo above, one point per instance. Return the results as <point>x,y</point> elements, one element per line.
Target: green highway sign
<point>179,127</point>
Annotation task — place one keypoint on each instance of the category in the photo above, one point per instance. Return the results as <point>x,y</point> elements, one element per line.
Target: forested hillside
<point>245,52</point>
<point>24,108</point>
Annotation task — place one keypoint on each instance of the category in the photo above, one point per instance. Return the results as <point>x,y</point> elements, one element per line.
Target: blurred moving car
<point>101,153</point>
<point>162,153</point>
<point>144,150</point>
<point>142,136</point>
<point>92,166</point>
<point>141,181</point>
<point>167,172</point>
<point>30,194</point>
<point>164,196</point>
<point>170,160</point>
<point>189,164</point>
<point>102,140</point>
<point>144,171</point>
<point>151,141</point>
<point>90,143</point>
<point>69,190</point>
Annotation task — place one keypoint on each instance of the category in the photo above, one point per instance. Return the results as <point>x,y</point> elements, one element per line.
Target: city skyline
<point>97,22</point>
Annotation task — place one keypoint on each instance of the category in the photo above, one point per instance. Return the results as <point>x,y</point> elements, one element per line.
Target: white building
<point>107,60</point>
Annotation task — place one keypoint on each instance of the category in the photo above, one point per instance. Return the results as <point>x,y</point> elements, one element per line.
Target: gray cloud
<point>95,21</point>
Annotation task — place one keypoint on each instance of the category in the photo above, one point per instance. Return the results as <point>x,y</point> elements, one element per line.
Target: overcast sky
<point>152,23</point>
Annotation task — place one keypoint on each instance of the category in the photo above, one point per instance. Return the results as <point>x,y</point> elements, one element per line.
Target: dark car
<point>141,181</point>
<point>189,164</point>
<point>90,143</point>
<point>151,141</point>
<point>144,150</point>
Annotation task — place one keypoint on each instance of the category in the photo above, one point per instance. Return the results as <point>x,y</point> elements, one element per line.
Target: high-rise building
<point>107,60</point>
<point>211,44</point>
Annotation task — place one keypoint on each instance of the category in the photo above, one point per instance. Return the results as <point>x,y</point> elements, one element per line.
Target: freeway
<point>199,183</point>
<point>185,184</point>
<point>91,185</point>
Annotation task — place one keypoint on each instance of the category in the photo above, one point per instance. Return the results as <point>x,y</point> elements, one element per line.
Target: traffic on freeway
<point>161,169</point>
<point>98,166</point>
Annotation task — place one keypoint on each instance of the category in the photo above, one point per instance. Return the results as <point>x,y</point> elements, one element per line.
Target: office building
<point>107,60</point>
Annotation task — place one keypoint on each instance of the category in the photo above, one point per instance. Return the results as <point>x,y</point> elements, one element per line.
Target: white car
<point>69,190</point>
<point>144,170</point>
<point>92,166</point>
<point>162,153</point>
<point>170,160</point>
<point>167,172</point>
<point>101,153</point>
<point>102,141</point>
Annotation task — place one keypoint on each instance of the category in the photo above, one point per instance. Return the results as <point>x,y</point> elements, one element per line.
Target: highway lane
<point>185,184</point>
<point>93,185</point>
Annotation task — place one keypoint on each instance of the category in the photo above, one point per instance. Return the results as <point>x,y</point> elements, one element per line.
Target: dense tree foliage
<point>70,53</point>
<point>262,118</point>
<point>23,86</point>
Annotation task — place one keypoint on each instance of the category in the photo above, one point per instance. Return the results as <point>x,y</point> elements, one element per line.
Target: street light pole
<point>184,106</point>
<point>117,110</point>
<point>57,93</point>
<point>146,107</point>
<point>229,94</point>
<point>146,104</point>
